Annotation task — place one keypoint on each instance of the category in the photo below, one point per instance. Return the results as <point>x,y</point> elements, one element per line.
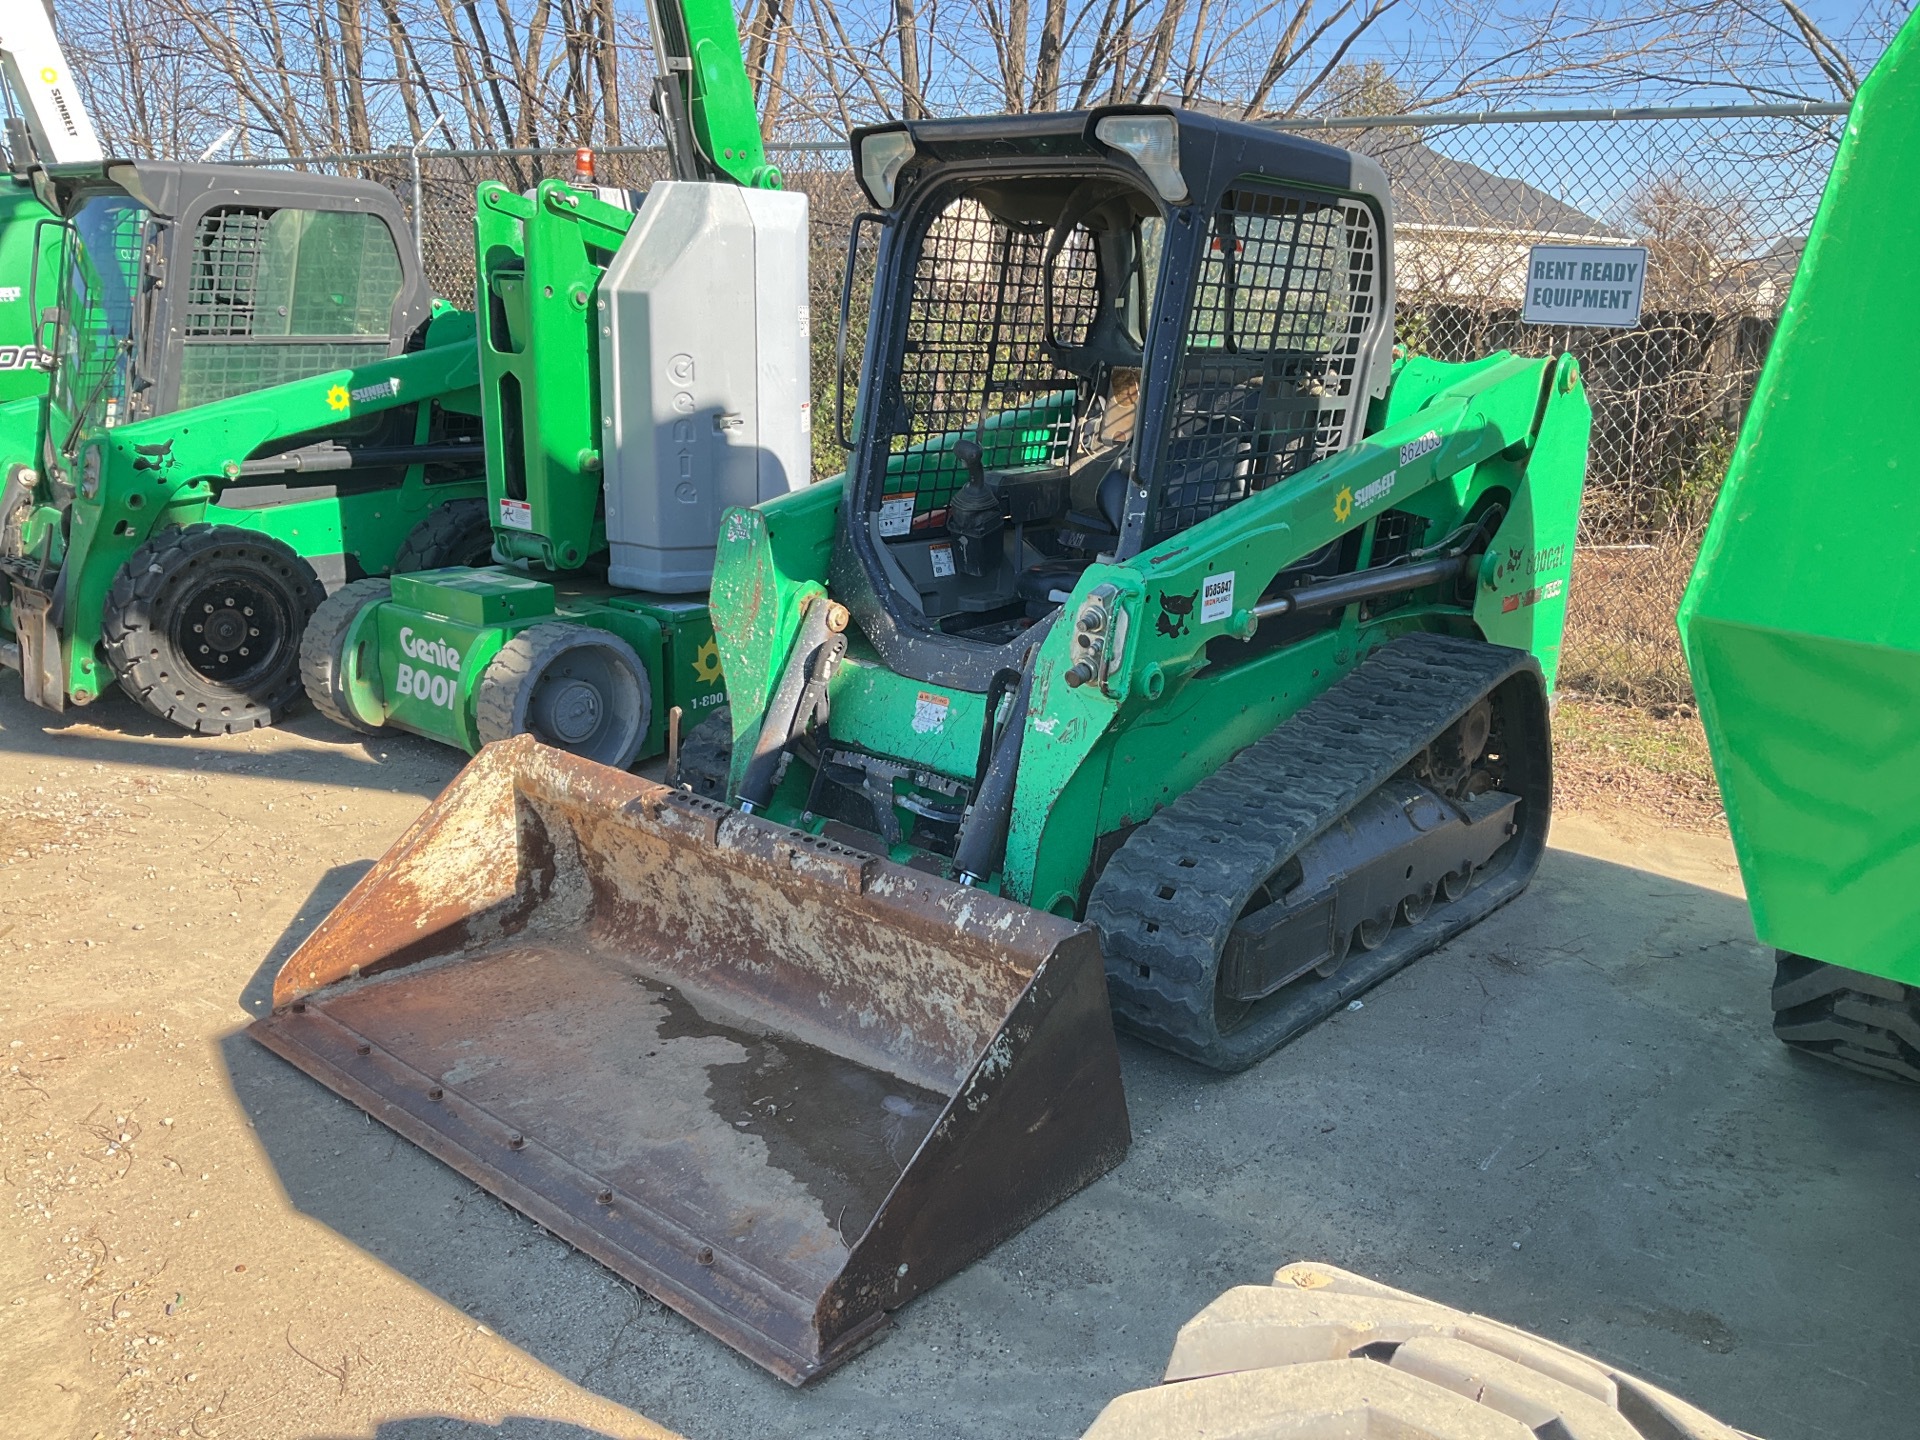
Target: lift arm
<point>36,70</point>
<point>703,95</point>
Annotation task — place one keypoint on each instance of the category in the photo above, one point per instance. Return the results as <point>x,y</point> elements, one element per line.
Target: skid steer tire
<point>1322,1351</point>
<point>320,651</point>
<point>203,627</point>
<point>1851,1018</point>
<point>456,533</point>
<point>575,687</point>
<point>706,755</point>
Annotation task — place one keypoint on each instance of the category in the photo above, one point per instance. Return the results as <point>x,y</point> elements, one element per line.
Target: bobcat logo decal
<point>1174,611</point>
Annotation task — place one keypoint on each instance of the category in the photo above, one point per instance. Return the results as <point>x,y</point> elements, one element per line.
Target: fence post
<point>419,241</point>
<point>413,169</point>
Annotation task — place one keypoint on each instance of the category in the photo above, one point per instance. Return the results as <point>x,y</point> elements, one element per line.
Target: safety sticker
<point>516,514</point>
<point>1216,597</point>
<point>929,713</point>
<point>942,558</point>
<point>896,514</point>
<point>1549,591</point>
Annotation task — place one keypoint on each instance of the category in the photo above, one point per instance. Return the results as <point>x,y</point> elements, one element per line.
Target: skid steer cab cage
<point>799,1085</point>
<point>1091,332</point>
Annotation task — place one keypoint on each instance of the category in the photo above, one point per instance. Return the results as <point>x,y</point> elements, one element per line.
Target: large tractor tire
<point>574,687</point>
<point>1324,1352</point>
<point>1853,1019</point>
<point>320,650</point>
<point>203,627</point>
<point>706,755</point>
<point>456,533</point>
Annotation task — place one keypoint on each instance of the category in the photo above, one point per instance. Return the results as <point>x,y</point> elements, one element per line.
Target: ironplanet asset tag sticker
<point>1216,597</point>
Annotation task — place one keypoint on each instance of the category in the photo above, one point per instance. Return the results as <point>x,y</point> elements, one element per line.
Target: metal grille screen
<point>1287,293</point>
<point>976,357</point>
<point>259,272</point>
<point>226,272</point>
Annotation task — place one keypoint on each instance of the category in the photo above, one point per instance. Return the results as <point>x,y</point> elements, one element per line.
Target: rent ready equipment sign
<point>1585,285</point>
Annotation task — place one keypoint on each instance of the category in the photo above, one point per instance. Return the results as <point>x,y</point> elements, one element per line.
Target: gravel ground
<point>1574,1119</point>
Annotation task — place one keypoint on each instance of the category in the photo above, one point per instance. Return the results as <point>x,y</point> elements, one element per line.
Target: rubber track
<point>706,753</point>
<point>1172,892</point>
<point>1322,1350</point>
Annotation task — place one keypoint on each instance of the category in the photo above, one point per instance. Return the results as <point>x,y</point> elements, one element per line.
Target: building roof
<point>1434,189</point>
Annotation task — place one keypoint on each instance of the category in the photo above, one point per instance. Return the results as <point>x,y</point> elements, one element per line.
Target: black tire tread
<point>518,664</point>
<point>457,532</point>
<point>126,631</point>
<point>706,754</point>
<point>1864,1022</point>
<point>1320,1339</point>
<point>320,650</point>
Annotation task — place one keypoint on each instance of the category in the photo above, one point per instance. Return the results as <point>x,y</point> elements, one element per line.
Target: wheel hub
<point>230,629</point>
<point>569,710</point>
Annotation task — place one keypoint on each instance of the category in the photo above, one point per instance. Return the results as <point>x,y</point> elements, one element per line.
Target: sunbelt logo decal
<point>421,683</point>
<point>340,397</point>
<point>1348,500</point>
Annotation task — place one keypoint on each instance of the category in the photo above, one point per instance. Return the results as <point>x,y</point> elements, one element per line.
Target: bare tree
<point>362,75</point>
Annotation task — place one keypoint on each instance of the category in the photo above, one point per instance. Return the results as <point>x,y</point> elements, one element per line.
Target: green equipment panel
<point>417,662</point>
<point>1802,621</point>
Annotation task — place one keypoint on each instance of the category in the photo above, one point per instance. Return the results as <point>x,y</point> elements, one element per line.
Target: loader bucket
<point>779,1084</point>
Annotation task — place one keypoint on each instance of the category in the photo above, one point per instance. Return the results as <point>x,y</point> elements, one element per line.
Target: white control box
<point>705,374</point>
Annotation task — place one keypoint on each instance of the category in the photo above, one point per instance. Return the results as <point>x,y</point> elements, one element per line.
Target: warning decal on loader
<point>929,713</point>
<point>896,514</point>
<point>516,515</point>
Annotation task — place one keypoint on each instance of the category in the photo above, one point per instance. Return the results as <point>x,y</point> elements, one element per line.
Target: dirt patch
<point>1609,756</point>
<point>153,1279</point>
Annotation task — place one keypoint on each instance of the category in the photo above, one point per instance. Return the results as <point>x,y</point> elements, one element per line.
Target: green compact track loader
<point>1808,686</point>
<point>1172,653</point>
<point>254,398</point>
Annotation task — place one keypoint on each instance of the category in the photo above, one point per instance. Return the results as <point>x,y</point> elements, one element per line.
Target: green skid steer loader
<point>1171,653</point>
<point>254,398</point>
<point>1802,619</point>
<point>644,367</point>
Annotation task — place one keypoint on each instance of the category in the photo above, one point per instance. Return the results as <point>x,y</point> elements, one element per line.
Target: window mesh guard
<point>976,357</point>
<point>1286,296</point>
<point>227,258</point>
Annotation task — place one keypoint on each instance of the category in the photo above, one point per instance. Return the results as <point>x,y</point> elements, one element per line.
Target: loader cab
<point>188,284</point>
<point>1089,333</point>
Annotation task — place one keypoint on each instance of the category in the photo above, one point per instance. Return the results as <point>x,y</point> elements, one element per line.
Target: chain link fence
<point>1721,198</point>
